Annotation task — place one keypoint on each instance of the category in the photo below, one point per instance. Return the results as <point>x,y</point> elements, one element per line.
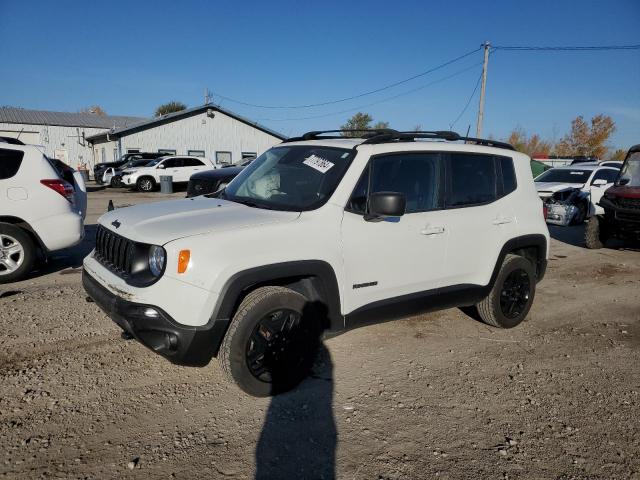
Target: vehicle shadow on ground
<point>298,439</point>
<point>572,235</point>
<point>68,260</point>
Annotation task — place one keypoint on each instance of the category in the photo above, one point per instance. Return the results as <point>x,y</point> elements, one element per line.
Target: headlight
<point>157,258</point>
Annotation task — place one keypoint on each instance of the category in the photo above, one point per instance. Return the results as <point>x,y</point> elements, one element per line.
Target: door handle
<point>502,220</point>
<point>432,230</point>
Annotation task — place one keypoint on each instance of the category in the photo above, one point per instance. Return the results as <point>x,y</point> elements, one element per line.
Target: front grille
<point>114,252</point>
<point>630,203</point>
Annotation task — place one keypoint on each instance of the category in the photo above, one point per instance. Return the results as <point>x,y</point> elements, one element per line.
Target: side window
<point>192,162</point>
<point>472,179</point>
<point>171,163</point>
<point>10,161</point>
<point>605,174</point>
<point>508,174</point>
<point>417,175</point>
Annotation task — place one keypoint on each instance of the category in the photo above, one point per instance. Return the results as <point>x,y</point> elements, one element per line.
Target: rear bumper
<point>155,329</point>
<point>60,231</point>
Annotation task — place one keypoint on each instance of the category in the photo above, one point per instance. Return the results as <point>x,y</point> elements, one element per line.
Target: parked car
<point>538,168</point>
<point>570,194</point>
<point>40,212</point>
<point>74,178</point>
<point>323,234</point>
<point>211,181</point>
<point>147,178</point>
<point>620,205</point>
<point>113,176</point>
<point>99,168</point>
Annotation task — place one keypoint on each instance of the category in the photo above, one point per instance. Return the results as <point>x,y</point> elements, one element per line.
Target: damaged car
<point>571,194</point>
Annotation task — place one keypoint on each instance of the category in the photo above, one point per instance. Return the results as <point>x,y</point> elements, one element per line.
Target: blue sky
<point>131,56</point>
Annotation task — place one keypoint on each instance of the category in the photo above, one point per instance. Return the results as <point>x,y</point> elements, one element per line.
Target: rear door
<point>479,220</point>
<point>11,191</point>
<point>191,166</point>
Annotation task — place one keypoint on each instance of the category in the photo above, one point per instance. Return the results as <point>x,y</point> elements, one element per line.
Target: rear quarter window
<point>10,161</point>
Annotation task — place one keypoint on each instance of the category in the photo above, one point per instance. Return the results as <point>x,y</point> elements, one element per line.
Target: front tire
<point>511,297</point>
<point>271,343</point>
<point>17,253</point>
<point>146,184</point>
<point>594,233</point>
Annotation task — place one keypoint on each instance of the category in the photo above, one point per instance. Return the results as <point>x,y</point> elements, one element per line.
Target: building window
<point>195,153</point>
<point>167,151</point>
<point>248,155</point>
<point>133,150</point>
<point>223,158</point>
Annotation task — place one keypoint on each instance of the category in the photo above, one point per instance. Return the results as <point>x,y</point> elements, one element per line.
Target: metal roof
<point>171,117</point>
<point>65,119</point>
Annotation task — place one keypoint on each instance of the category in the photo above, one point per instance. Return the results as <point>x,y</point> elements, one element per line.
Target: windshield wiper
<point>251,204</point>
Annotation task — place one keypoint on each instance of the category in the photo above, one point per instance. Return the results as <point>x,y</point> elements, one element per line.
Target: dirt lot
<point>439,395</point>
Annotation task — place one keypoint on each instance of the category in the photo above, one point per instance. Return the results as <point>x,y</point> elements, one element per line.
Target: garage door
<point>31,138</point>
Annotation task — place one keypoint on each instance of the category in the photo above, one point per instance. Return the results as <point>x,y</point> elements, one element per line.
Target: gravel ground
<point>434,396</point>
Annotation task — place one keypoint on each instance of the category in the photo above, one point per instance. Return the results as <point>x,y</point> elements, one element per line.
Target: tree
<point>585,139</point>
<point>619,155</point>
<point>360,121</point>
<point>531,145</point>
<point>169,107</point>
<point>94,110</point>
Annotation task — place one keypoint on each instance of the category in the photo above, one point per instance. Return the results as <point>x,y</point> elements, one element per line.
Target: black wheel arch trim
<point>316,279</point>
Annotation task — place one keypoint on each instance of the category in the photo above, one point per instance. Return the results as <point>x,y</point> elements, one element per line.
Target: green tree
<point>360,121</point>
<point>587,139</point>
<point>169,107</point>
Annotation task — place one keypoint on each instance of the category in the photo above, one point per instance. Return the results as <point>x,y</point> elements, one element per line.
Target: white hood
<point>161,222</point>
<point>546,189</point>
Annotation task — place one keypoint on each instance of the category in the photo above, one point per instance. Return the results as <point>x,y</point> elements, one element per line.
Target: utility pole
<point>485,65</point>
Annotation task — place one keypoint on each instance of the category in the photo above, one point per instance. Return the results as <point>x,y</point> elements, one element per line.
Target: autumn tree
<point>531,145</point>
<point>619,155</point>
<point>169,107</point>
<point>94,110</point>
<point>588,139</point>
<point>360,121</point>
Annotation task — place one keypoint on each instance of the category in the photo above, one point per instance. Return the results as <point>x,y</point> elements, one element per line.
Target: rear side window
<point>192,162</point>
<point>508,174</point>
<point>472,180</point>
<point>10,161</point>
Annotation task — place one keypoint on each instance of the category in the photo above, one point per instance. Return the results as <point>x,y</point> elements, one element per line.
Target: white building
<point>63,135</point>
<point>206,131</point>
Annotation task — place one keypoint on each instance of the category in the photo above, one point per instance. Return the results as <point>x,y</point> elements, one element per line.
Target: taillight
<point>63,188</point>
<point>545,211</point>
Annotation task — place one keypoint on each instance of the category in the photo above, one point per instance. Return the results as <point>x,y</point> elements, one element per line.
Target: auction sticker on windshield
<point>318,163</point>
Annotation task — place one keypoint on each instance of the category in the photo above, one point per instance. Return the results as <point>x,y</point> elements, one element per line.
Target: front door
<point>387,259</point>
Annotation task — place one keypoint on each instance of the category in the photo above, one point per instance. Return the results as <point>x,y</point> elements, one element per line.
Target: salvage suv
<point>319,235</point>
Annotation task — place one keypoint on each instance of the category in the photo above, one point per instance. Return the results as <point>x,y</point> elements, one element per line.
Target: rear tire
<point>271,343</point>
<point>594,234</point>
<point>511,297</point>
<point>146,184</point>
<point>17,253</point>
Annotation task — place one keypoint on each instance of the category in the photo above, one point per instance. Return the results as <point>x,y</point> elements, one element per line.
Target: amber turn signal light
<point>183,260</point>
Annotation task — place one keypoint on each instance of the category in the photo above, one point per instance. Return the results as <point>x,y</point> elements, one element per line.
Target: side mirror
<point>599,182</point>
<point>384,205</point>
<point>161,166</point>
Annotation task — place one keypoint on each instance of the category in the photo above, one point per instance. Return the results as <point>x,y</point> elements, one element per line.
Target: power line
<point>331,102</point>
<point>408,92</point>
<point>475,89</point>
<point>568,48</point>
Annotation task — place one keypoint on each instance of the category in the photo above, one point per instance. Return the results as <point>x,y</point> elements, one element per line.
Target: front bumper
<point>155,329</point>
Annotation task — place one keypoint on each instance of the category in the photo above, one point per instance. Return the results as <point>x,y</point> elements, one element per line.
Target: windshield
<point>563,175</point>
<point>153,163</point>
<point>630,173</point>
<point>292,178</point>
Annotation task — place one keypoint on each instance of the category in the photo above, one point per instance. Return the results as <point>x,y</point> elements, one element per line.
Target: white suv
<point>317,236</point>
<point>39,210</point>
<point>179,168</point>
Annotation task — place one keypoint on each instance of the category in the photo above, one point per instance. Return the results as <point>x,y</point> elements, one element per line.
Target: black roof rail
<point>11,140</point>
<point>385,135</point>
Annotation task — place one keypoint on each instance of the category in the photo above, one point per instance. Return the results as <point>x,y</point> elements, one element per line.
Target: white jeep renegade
<point>319,235</point>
